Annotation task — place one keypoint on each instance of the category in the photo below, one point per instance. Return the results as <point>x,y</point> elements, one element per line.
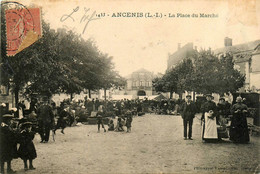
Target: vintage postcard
<point>128,86</point>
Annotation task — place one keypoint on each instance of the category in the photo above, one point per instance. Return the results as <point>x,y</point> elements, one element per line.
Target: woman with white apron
<point>209,126</point>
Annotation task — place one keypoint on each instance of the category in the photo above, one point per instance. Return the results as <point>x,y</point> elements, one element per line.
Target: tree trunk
<point>105,94</point>
<point>171,92</point>
<point>194,99</point>
<point>71,96</point>
<point>16,99</point>
<point>180,95</point>
<point>89,94</point>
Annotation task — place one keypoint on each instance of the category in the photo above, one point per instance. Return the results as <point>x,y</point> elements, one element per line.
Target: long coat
<point>7,143</point>
<point>239,129</point>
<point>27,149</point>
<point>45,115</point>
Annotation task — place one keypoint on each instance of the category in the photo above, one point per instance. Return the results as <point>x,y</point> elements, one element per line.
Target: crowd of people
<point>44,117</point>
<point>215,119</point>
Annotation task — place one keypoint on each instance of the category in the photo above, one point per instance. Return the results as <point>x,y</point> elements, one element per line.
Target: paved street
<point>155,145</point>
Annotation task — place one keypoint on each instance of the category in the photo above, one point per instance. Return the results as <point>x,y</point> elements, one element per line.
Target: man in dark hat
<point>46,120</point>
<point>188,111</point>
<point>7,142</point>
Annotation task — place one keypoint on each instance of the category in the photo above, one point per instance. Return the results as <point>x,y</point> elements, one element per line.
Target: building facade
<point>6,97</point>
<point>139,83</point>
<point>183,52</point>
<point>255,71</point>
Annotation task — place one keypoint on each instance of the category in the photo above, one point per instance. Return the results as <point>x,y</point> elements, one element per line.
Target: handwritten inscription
<point>65,17</point>
<point>86,18</point>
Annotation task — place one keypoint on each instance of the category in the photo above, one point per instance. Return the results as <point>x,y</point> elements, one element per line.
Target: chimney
<point>179,46</point>
<point>228,41</point>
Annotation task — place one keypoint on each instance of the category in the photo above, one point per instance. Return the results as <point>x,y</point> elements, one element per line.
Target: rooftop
<point>238,48</point>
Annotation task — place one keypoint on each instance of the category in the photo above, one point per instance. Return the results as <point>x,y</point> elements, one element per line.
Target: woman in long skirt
<point>239,130</point>
<point>209,129</point>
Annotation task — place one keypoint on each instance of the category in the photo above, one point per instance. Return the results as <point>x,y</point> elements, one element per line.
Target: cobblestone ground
<point>155,145</point>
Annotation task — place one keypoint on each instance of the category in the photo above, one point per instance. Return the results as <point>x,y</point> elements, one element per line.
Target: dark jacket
<point>188,111</point>
<point>207,106</point>
<point>7,143</point>
<point>45,114</point>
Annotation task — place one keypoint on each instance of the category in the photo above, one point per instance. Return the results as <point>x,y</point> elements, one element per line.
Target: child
<point>100,122</point>
<point>129,120</point>
<point>119,126</point>
<point>27,150</point>
<point>111,126</point>
<point>7,142</point>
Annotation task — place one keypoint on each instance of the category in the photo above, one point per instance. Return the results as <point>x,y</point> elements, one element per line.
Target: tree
<point>159,84</point>
<point>177,79</point>
<point>108,77</point>
<point>230,79</point>
<point>213,75</point>
<point>203,73</point>
<point>60,61</point>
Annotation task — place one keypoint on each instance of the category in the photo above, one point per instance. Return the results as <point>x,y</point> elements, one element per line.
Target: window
<point>4,90</point>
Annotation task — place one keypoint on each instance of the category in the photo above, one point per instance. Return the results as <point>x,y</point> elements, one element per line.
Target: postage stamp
<point>23,26</point>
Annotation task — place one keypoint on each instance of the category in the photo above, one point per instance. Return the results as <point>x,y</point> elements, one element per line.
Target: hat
<point>188,96</point>
<point>13,109</point>
<point>222,98</point>
<point>239,99</point>
<point>8,116</point>
<point>26,124</point>
<point>209,95</point>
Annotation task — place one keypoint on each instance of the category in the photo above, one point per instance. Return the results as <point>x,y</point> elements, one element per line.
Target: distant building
<point>247,60</point>
<point>139,83</point>
<point>255,70</point>
<point>183,52</point>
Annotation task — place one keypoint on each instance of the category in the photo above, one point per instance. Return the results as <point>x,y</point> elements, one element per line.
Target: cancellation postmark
<point>21,23</point>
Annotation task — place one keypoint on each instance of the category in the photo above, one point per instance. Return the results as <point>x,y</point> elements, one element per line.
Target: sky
<point>142,42</point>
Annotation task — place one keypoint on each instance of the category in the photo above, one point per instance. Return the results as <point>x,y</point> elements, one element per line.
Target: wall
<point>255,72</point>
